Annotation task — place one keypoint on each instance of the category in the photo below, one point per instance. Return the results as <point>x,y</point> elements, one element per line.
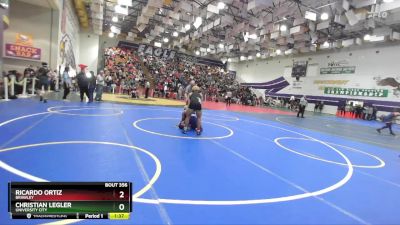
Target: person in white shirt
<point>100,85</point>
<point>166,94</point>
<point>228,98</point>
<point>67,83</point>
<point>291,102</point>
<point>147,86</point>
<point>188,89</point>
<point>302,106</point>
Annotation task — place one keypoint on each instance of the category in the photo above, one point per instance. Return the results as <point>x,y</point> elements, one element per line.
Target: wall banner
<point>25,52</point>
<point>338,70</point>
<point>155,51</point>
<point>382,93</point>
<point>24,40</point>
<point>338,67</point>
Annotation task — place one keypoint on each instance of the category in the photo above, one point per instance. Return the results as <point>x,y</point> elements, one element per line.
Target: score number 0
<point>121,206</point>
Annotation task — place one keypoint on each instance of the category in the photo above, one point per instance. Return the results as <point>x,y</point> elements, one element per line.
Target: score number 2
<point>121,195</point>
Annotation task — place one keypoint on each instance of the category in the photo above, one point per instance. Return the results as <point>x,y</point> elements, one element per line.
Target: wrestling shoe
<point>184,130</point>
<point>198,131</point>
<point>379,131</point>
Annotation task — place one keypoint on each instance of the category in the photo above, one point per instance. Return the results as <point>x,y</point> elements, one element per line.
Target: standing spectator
<point>92,85</point>
<point>374,112</point>
<point>99,85</point>
<point>43,81</point>
<point>52,79</point>
<point>228,98</point>
<point>316,106</point>
<point>302,106</point>
<point>108,81</point>
<point>67,83</point>
<point>166,93</point>
<point>370,111</point>
<point>19,83</point>
<point>180,91</point>
<point>321,106</point>
<point>29,72</point>
<point>291,102</point>
<point>83,82</point>
<point>188,89</point>
<point>147,86</point>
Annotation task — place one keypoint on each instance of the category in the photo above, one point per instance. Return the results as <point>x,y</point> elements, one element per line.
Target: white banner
<point>316,86</point>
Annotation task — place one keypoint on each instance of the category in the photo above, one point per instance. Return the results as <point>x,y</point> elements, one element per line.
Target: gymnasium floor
<point>244,169</point>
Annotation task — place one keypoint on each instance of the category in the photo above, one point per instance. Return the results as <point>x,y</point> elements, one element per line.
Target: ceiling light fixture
<point>253,36</point>
<point>367,37</point>
<point>221,5</point>
<point>175,34</point>
<point>387,1</point>
<point>125,2</point>
<point>310,16</point>
<point>197,52</point>
<point>278,51</point>
<point>115,29</point>
<point>283,28</point>
<point>121,10</point>
<point>326,44</point>
<point>324,16</point>
<point>115,19</point>
<point>165,40</point>
<point>111,34</point>
<point>187,26</point>
<point>221,45</point>
<point>197,23</point>
<point>258,55</point>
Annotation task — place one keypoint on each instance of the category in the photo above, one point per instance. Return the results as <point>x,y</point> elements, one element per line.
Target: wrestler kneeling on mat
<point>192,120</point>
<point>194,106</point>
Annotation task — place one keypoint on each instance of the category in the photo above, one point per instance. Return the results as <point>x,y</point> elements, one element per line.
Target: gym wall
<point>35,21</point>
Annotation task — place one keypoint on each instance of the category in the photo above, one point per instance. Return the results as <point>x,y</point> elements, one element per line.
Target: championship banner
<point>338,67</point>
<point>25,52</point>
<point>338,70</point>
<point>382,93</point>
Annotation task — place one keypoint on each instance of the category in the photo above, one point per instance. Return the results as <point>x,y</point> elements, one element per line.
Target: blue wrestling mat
<point>243,169</point>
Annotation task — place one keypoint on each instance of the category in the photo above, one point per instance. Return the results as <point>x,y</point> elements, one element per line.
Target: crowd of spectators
<point>123,70</point>
<point>170,78</point>
<point>39,75</point>
<point>366,112</point>
<point>126,72</point>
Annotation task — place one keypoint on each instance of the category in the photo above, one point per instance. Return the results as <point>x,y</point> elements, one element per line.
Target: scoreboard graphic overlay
<point>70,200</point>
